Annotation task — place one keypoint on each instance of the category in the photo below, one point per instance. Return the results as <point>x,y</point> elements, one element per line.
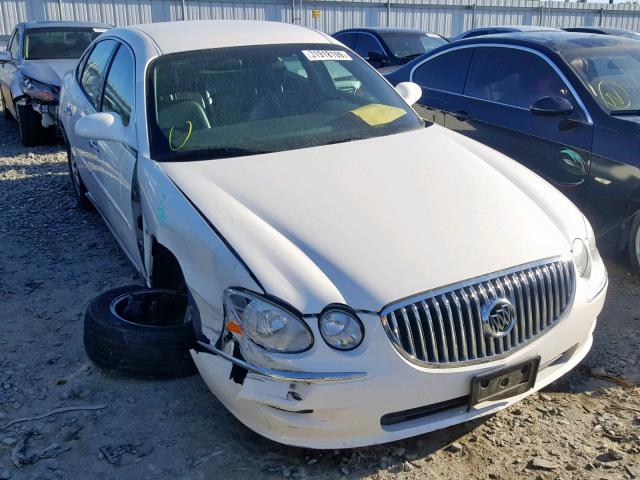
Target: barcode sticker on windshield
<point>314,55</point>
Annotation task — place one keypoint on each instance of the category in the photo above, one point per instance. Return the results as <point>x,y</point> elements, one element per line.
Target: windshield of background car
<point>611,74</point>
<point>410,45</point>
<point>58,43</point>
<point>257,99</point>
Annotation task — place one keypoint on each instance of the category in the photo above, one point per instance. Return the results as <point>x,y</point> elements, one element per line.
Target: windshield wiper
<point>412,56</point>
<point>211,154</point>
<point>620,113</point>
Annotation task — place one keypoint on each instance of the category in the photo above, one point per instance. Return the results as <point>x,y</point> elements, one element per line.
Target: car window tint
<point>119,87</point>
<point>93,73</point>
<point>293,65</point>
<point>81,65</point>
<point>349,39</point>
<point>445,72</point>
<point>512,77</point>
<point>58,42</point>
<point>367,43</point>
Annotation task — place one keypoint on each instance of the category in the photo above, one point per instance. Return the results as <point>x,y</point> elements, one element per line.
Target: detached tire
<point>140,332</point>
<point>30,127</point>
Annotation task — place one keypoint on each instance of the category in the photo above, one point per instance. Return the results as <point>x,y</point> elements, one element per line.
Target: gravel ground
<point>55,259</point>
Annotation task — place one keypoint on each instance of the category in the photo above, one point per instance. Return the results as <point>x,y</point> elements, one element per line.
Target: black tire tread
<point>135,350</point>
<point>30,128</point>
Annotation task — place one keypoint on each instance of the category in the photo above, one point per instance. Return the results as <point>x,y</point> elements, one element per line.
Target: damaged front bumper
<point>383,397</point>
<point>285,375</point>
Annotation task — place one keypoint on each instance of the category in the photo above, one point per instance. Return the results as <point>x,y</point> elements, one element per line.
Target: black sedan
<point>566,105</point>
<point>389,47</point>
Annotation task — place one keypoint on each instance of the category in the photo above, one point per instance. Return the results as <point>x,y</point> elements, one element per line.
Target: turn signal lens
<point>341,329</point>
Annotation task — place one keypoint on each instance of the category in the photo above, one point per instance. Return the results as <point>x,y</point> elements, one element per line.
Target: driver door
<point>501,86</point>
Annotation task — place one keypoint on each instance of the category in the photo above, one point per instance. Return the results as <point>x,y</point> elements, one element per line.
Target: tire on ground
<point>30,127</point>
<point>142,349</point>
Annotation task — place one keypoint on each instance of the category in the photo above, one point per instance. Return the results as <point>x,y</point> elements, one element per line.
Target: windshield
<point>58,43</point>
<point>411,44</point>
<point>611,74</point>
<point>257,99</point>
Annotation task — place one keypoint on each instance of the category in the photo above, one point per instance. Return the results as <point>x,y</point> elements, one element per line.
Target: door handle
<point>95,145</point>
<point>460,115</point>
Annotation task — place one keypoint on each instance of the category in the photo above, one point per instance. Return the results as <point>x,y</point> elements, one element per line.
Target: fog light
<point>341,329</point>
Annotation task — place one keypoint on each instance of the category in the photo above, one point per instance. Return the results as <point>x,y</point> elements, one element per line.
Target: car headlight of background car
<point>585,252</point>
<point>38,90</point>
<point>267,324</point>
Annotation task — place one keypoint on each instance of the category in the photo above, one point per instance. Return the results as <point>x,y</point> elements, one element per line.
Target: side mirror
<point>5,57</point>
<point>409,91</point>
<point>551,107</point>
<point>101,126</point>
<point>377,57</point>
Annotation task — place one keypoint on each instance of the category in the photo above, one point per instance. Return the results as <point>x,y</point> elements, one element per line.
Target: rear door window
<point>94,71</point>
<point>366,44</point>
<point>513,77</point>
<point>349,39</point>
<point>446,72</point>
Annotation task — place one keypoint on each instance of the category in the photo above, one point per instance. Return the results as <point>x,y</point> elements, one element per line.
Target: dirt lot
<point>55,259</point>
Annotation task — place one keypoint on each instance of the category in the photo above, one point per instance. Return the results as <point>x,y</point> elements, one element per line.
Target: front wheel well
<point>166,271</point>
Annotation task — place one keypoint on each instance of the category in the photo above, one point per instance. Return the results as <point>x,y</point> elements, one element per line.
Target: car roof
<point>62,24</point>
<point>606,30</point>
<point>172,37</point>
<point>383,30</point>
<point>559,40</point>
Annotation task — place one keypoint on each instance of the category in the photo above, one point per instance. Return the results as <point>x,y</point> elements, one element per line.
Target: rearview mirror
<point>377,57</point>
<point>101,126</point>
<point>409,91</point>
<point>5,57</point>
<point>551,107</point>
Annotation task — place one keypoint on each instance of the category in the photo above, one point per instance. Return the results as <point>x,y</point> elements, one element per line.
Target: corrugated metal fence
<point>446,17</point>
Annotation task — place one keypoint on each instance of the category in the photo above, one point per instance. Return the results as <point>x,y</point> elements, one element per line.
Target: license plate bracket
<point>504,383</point>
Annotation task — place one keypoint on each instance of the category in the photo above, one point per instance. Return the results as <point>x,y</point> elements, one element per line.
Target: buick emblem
<point>498,317</point>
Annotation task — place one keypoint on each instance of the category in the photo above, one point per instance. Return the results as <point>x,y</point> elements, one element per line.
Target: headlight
<point>340,329</point>
<point>265,323</point>
<point>585,252</point>
<point>581,257</point>
<point>38,90</point>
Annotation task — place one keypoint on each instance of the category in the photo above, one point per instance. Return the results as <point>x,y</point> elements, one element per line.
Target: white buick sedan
<point>355,276</point>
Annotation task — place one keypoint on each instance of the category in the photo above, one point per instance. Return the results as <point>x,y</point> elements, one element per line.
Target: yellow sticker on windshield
<point>378,114</point>
<point>613,95</point>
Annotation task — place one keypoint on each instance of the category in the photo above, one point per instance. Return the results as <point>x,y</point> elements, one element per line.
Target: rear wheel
<point>30,126</point>
<point>634,243</point>
<point>5,110</point>
<point>79,190</point>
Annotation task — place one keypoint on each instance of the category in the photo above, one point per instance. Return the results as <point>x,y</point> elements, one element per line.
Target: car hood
<point>369,222</point>
<point>50,72</point>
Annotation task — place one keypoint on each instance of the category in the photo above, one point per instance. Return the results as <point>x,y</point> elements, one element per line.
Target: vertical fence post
<point>59,9</point>
<point>184,17</point>
<point>473,15</point>
<point>388,13</point>
<point>601,16</point>
<point>541,19</point>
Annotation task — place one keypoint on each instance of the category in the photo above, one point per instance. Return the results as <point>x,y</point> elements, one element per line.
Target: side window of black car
<point>366,44</point>
<point>349,39</point>
<point>446,72</point>
<point>513,77</point>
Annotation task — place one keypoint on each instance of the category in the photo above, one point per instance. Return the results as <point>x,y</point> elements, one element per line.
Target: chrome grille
<point>445,326</point>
